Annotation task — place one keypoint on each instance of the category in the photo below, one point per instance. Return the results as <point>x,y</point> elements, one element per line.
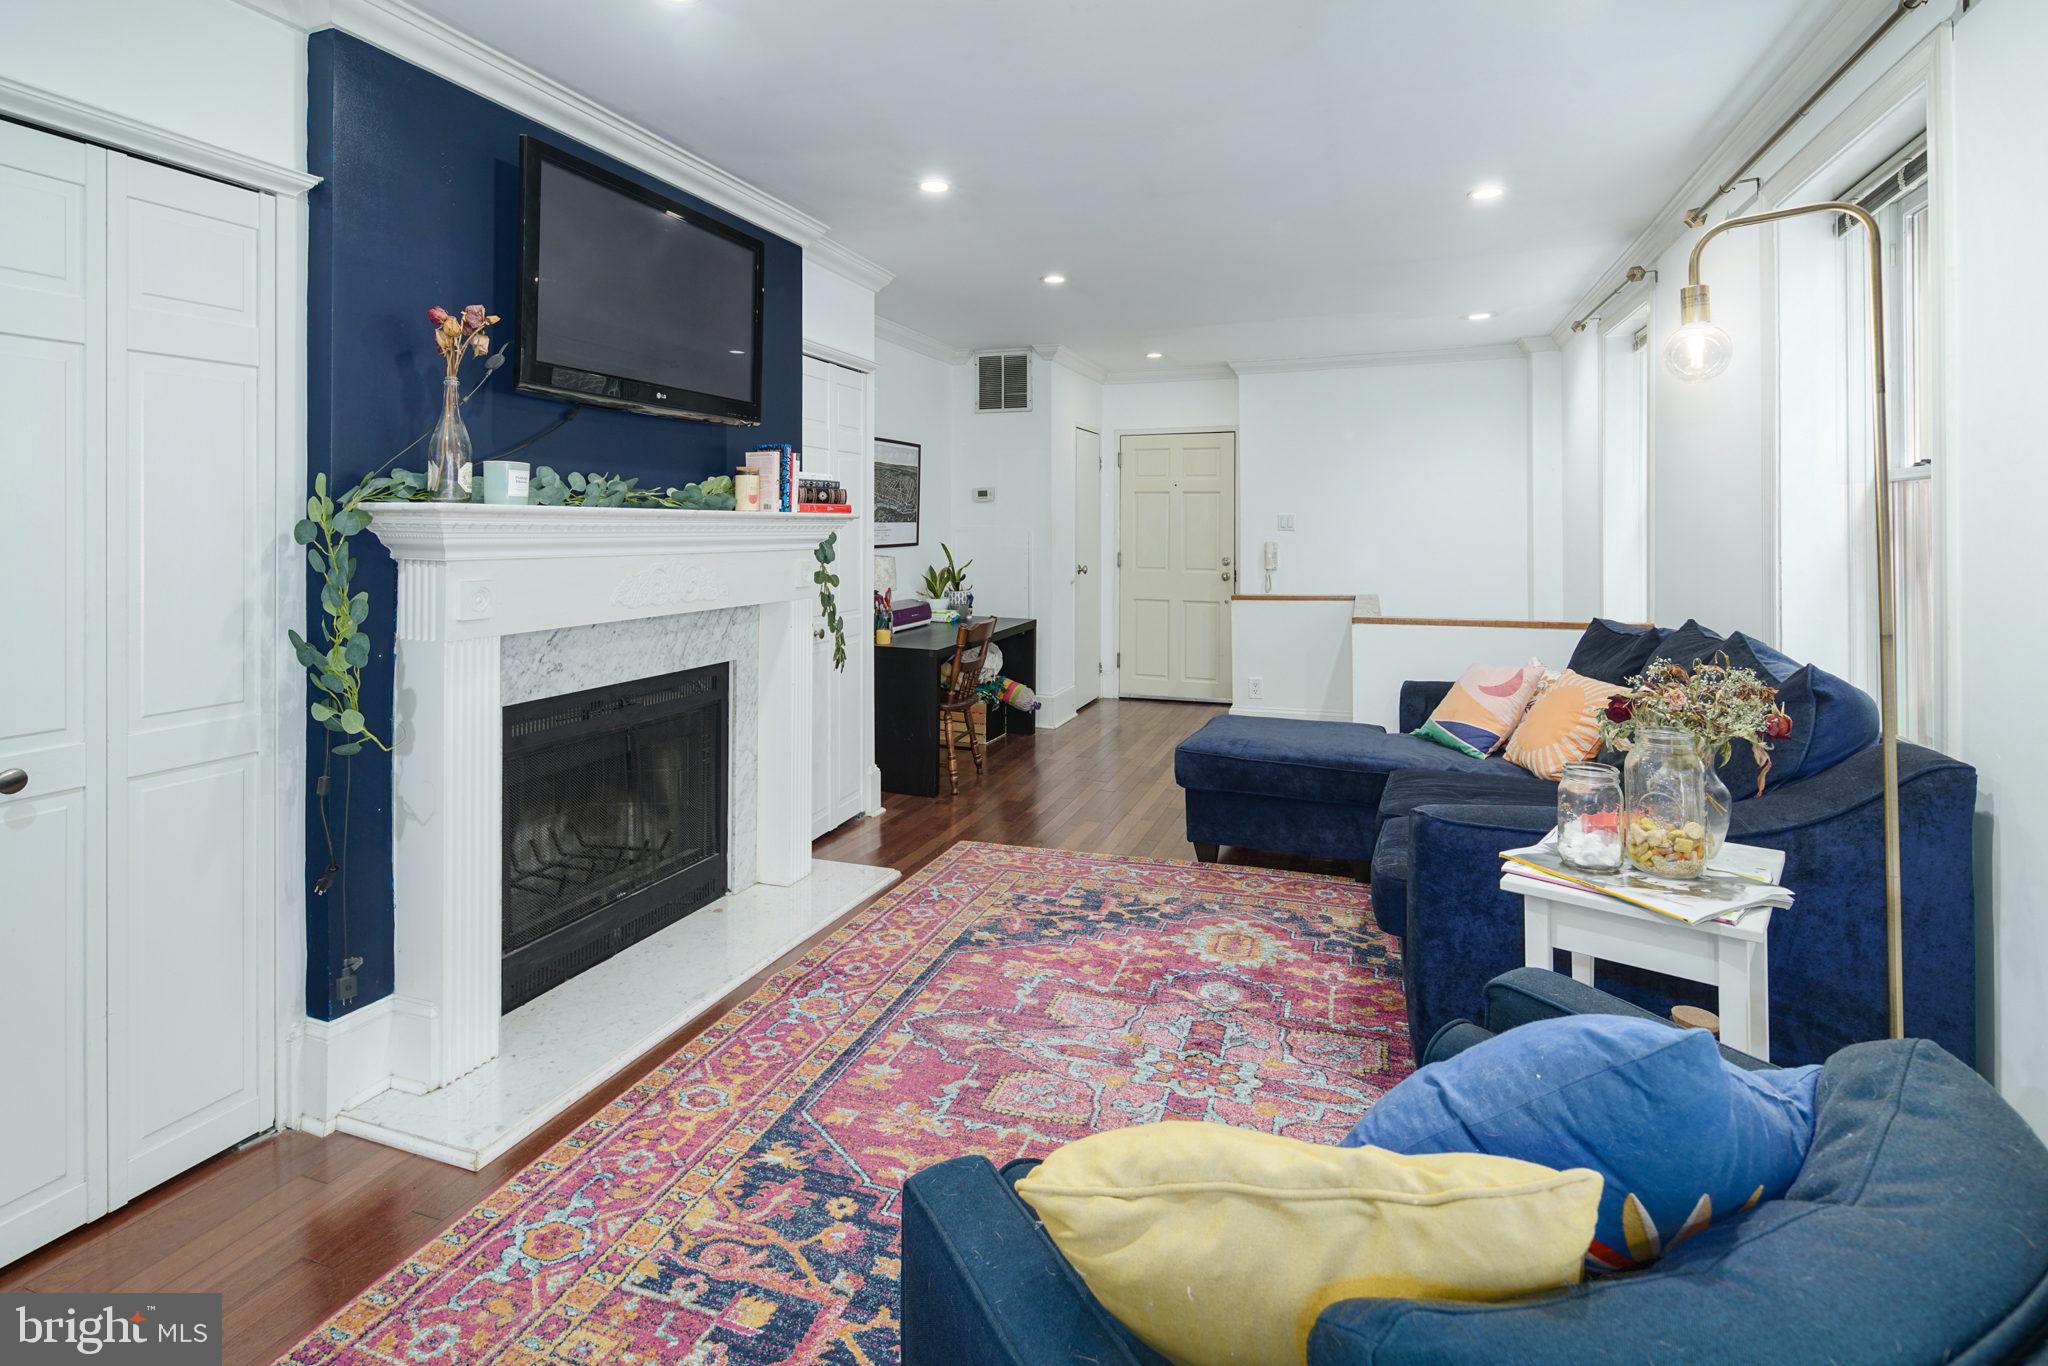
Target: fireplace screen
<point>615,821</point>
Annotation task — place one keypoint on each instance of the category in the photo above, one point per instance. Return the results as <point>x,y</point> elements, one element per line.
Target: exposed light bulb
<point>935,184</point>
<point>1698,351</point>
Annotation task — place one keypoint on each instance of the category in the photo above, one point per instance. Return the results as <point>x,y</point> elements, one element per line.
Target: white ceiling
<point>1220,180</point>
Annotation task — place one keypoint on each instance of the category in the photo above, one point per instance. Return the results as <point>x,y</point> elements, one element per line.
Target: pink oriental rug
<point>740,1203</point>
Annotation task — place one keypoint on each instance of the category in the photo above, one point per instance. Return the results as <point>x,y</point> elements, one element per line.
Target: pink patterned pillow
<point>1480,711</point>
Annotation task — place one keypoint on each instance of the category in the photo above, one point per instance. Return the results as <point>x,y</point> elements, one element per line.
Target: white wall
<point>1582,411</point>
<point>914,402</point>
<point>2001,105</point>
<point>838,312</point>
<point>1546,483</point>
<point>1009,536</point>
<point>1409,481</point>
<point>1162,405</point>
<point>212,70</point>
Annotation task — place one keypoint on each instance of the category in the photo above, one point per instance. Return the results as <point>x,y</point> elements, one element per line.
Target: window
<point>1897,196</point>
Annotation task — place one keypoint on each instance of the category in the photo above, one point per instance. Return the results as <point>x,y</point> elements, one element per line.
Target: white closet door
<point>835,433</point>
<point>189,627</point>
<point>52,897</point>
<point>851,458</point>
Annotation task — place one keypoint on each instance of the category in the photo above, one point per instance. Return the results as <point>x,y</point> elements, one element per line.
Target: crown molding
<point>405,32</point>
<point>1533,345</point>
<point>1169,374</point>
<point>1073,360</point>
<point>47,109</point>
<point>1839,34</point>
<point>848,264</point>
<point>910,339</point>
<point>1450,355</point>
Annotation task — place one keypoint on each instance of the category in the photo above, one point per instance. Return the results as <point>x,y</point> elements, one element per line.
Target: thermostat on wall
<point>985,495</point>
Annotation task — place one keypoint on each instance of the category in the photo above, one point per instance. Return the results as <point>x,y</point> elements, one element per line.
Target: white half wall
<point>1387,653</point>
<point>1291,657</point>
<point>1407,480</point>
<point>215,71</point>
<point>2000,199</point>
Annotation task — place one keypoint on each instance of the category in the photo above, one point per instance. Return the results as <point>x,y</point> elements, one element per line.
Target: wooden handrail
<point>1294,597</point>
<point>1471,621</point>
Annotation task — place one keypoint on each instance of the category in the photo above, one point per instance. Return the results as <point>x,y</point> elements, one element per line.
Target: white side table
<point>1735,959</point>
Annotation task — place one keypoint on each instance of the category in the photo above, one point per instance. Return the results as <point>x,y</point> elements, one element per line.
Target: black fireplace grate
<point>614,821</point>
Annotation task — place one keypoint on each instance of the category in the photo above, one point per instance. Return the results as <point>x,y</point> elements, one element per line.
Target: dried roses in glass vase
<point>1678,724</point>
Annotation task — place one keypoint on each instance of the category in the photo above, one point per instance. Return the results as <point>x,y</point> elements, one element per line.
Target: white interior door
<point>1087,572</point>
<point>52,736</point>
<point>1179,528</point>
<point>190,626</point>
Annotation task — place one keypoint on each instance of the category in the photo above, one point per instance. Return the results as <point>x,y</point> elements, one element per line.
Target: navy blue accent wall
<point>419,205</point>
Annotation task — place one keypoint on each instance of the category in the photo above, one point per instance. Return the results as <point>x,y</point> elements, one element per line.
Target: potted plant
<point>950,583</point>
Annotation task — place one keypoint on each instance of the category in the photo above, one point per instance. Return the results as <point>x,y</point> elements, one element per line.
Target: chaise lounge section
<point>1427,824</point>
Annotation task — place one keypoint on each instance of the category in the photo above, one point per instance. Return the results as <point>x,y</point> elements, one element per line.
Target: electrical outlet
<point>1255,687</point>
<point>984,495</point>
<point>1287,521</point>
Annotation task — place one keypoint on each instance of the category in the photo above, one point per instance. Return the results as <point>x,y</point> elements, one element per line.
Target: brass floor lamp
<point>1698,351</point>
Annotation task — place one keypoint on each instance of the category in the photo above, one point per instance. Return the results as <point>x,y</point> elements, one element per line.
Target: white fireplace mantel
<point>469,574</point>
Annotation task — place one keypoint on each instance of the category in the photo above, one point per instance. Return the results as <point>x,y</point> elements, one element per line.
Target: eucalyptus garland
<point>826,580</point>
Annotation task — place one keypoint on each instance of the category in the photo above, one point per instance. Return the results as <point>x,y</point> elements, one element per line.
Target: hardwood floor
<point>288,1230</point>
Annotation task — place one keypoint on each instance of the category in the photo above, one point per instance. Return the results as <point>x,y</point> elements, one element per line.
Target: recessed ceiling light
<point>933,184</point>
<point>1155,355</point>
<point>1052,279</point>
<point>1482,193</point>
<point>1477,317</point>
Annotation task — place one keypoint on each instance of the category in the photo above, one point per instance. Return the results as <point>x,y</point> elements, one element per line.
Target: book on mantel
<point>1741,878</point>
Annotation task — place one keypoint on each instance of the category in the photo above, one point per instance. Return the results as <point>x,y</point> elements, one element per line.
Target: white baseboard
<point>1055,709</point>
<point>1289,713</point>
<point>338,1063</point>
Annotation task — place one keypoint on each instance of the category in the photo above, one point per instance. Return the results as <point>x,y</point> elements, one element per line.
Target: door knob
<point>12,780</point>
<point>1228,576</point>
<point>818,634</point>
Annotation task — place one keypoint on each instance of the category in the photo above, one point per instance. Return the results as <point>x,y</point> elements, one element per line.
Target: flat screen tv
<point>631,300</point>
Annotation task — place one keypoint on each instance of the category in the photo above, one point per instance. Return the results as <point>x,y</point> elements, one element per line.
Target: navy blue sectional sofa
<point>1912,1233</point>
<point>1429,823</point>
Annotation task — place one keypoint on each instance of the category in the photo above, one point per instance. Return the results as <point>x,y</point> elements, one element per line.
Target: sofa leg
<point>1205,853</point>
<point>1362,870</point>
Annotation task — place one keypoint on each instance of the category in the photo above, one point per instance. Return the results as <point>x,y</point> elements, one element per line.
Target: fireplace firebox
<point>614,821</point>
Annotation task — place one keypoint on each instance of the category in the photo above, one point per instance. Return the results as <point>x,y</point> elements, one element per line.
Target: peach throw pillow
<point>1562,726</point>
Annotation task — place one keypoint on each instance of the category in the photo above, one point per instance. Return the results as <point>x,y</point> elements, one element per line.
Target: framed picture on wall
<point>899,472</point>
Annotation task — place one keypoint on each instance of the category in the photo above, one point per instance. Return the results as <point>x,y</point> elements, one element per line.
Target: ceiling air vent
<point>1003,383</point>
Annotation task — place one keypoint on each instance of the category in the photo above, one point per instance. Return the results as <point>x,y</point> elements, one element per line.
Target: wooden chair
<point>958,701</point>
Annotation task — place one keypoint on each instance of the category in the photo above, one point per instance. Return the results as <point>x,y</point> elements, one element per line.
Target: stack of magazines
<point>1741,878</point>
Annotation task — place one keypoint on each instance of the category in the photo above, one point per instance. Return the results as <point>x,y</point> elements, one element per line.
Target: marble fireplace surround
<point>504,604</point>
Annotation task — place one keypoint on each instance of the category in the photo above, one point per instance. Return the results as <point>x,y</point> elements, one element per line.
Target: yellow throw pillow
<point>1562,726</point>
<point>1216,1244</point>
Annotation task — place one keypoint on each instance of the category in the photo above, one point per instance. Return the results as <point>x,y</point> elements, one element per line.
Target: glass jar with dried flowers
<point>1709,707</point>
<point>457,336</point>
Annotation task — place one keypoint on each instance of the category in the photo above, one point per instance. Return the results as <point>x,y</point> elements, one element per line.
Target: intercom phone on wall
<point>1272,562</point>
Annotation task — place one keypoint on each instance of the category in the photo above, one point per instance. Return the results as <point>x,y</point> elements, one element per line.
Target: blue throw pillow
<point>1680,1135</point>
<point>1614,650</point>
<point>1832,718</point>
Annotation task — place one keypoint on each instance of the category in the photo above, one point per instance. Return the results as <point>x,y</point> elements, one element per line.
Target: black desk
<point>907,698</point>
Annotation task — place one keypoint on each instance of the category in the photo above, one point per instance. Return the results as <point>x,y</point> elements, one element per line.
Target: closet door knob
<point>12,780</point>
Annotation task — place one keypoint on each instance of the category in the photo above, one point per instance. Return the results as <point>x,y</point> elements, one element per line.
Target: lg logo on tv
<point>166,1330</point>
